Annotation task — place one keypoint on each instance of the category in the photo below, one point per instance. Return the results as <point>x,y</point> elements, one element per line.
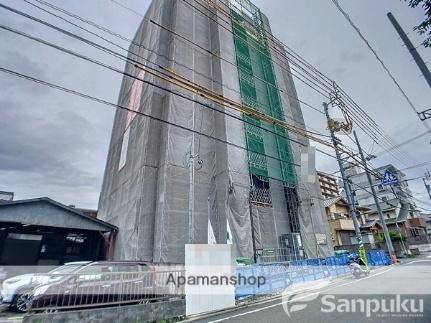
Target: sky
<point>54,144</point>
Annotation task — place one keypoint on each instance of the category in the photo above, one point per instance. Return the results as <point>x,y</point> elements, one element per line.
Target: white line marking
<point>423,260</point>
<point>297,298</point>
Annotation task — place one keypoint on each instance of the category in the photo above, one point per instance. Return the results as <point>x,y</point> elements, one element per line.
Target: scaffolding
<point>259,90</point>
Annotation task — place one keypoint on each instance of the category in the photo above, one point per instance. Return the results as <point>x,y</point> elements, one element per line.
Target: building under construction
<point>219,159</point>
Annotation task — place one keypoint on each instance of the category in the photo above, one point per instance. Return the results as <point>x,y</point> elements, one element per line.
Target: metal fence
<point>280,275</point>
<point>86,290</point>
<point>270,255</point>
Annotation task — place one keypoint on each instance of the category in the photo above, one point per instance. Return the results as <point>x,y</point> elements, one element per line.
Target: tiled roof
<point>331,200</point>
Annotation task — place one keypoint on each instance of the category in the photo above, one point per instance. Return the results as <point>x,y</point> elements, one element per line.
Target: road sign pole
<point>379,210</point>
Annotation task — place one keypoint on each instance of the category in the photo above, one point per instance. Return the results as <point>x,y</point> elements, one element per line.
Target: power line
<point>132,42</point>
<point>142,114</point>
<point>207,51</point>
<point>122,37</point>
<point>165,76</point>
<point>99,100</point>
<point>117,56</point>
<point>326,79</point>
<point>379,198</point>
<point>80,56</point>
<point>379,133</point>
<point>135,77</point>
<point>362,125</point>
<point>408,141</point>
<point>337,5</point>
<point>418,165</point>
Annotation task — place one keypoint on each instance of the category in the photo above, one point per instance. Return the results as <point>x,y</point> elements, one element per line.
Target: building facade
<point>427,218</point>
<point>207,170</point>
<point>341,223</point>
<point>42,231</point>
<point>328,185</point>
<point>400,191</point>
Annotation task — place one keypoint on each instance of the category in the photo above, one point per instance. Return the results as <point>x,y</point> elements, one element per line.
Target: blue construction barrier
<point>378,258</point>
<point>280,275</point>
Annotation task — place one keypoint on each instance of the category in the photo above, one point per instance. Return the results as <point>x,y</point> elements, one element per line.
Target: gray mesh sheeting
<point>149,198</point>
<point>312,215</point>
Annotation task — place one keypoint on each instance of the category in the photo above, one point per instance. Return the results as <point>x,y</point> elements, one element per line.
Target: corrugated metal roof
<point>38,219</point>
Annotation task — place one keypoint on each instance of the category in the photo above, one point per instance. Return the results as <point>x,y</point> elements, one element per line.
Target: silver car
<point>16,292</point>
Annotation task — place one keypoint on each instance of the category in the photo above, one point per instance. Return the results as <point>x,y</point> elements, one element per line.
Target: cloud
<point>351,57</point>
<point>34,144</point>
<point>16,61</point>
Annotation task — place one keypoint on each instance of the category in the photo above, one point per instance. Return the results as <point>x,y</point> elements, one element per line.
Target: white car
<point>16,292</point>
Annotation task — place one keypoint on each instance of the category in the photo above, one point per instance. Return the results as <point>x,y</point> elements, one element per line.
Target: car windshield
<point>66,269</point>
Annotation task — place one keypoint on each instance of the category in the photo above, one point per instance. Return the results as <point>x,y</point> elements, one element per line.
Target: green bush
<point>395,236</point>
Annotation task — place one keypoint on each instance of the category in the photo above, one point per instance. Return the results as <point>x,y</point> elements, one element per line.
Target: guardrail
<point>86,290</point>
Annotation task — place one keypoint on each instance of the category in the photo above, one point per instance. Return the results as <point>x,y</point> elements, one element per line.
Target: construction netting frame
<point>259,90</point>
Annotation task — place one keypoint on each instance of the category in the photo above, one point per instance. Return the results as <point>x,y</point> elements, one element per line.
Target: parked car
<point>102,283</point>
<point>17,291</point>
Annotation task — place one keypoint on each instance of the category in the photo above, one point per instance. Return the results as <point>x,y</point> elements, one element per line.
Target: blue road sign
<point>389,178</point>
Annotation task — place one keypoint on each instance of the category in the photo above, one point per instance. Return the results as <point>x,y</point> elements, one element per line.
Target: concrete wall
<point>130,313</point>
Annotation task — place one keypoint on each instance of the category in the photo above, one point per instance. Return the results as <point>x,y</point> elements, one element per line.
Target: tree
<point>425,26</point>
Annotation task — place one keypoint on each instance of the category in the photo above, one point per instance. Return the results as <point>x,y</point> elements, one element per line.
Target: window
<point>414,232</point>
<point>93,272</point>
<point>380,187</point>
<point>384,198</point>
<point>260,191</point>
<point>337,216</point>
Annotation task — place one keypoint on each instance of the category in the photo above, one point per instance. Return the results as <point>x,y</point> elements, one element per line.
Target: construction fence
<point>281,275</point>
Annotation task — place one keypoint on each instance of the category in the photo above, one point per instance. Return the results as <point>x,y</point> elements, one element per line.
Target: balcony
<point>416,223</point>
<point>342,224</point>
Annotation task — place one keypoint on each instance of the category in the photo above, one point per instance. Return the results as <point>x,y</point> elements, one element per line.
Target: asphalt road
<point>390,293</point>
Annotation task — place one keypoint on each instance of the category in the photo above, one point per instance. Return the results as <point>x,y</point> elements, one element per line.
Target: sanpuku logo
<point>397,306</point>
<point>383,306</point>
<point>292,299</point>
<point>292,304</point>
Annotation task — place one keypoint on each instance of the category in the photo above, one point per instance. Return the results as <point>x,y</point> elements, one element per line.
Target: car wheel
<point>22,301</point>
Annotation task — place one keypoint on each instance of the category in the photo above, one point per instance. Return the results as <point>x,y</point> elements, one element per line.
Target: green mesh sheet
<point>259,90</point>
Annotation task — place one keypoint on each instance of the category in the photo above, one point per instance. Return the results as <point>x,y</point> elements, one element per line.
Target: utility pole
<point>379,210</point>
<point>347,188</point>
<point>424,115</point>
<point>418,59</point>
<point>427,186</point>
